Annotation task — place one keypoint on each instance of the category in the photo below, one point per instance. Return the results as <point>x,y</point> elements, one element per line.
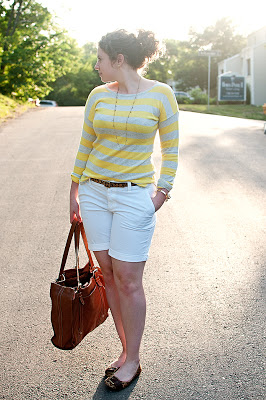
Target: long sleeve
<point>87,138</point>
<point>169,138</point>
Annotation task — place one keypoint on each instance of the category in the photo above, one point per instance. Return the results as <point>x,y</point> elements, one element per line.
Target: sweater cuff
<point>75,178</point>
<point>163,184</point>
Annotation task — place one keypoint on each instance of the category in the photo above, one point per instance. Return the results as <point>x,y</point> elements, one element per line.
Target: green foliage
<point>34,52</point>
<point>73,88</point>
<point>10,107</point>
<point>248,94</point>
<point>220,36</point>
<point>162,69</point>
<point>238,111</point>
<point>7,106</point>
<point>182,65</point>
<point>38,59</point>
<point>199,96</point>
<point>183,100</point>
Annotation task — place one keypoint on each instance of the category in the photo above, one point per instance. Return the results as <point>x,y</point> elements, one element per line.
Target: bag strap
<point>84,238</point>
<point>76,240</point>
<point>67,246</point>
<point>76,228</point>
<point>80,229</point>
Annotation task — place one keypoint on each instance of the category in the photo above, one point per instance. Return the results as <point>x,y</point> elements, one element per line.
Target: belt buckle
<point>108,184</point>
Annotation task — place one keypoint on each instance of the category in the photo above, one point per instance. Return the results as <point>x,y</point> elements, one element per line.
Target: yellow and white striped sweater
<point>111,151</point>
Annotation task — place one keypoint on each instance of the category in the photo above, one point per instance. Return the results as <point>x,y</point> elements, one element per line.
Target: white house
<point>250,63</point>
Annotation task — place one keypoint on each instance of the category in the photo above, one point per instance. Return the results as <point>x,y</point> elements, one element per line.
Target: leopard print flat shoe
<point>111,370</point>
<point>115,384</point>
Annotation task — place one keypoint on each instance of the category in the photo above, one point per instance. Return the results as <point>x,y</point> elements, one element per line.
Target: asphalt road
<point>205,279</point>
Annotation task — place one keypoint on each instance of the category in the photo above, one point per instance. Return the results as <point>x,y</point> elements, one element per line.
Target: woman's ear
<point>120,60</point>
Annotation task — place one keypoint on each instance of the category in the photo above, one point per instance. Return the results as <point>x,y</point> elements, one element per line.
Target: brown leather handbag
<point>78,297</point>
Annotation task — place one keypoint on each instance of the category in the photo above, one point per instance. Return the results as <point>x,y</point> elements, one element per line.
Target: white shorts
<point>118,219</point>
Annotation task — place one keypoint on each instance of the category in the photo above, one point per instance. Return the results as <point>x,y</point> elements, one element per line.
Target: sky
<point>88,21</point>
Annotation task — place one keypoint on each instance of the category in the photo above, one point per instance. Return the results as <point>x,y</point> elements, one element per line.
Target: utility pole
<point>209,54</point>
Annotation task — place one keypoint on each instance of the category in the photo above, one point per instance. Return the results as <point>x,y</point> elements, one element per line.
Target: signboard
<point>231,88</point>
<point>209,53</point>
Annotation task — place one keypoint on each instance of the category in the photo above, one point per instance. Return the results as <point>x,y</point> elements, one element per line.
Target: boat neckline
<point>131,94</point>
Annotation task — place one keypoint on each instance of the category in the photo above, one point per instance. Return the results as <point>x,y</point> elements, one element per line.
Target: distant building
<point>250,63</point>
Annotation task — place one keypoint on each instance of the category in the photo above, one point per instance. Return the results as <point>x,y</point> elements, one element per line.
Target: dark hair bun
<point>137,50</point>
<point>148,43</point>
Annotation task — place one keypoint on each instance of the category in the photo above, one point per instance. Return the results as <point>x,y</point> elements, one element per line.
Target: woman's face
<point>104,66</point>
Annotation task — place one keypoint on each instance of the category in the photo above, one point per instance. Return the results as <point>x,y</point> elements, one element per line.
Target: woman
<point>113,180</point>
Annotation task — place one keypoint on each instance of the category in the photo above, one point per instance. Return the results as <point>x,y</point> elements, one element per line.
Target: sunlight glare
<point>88,22</point>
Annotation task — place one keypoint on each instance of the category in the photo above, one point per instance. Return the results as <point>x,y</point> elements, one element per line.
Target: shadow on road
<point>103,392</point>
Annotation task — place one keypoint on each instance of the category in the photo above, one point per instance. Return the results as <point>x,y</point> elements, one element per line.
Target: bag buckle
<point>61,280</point>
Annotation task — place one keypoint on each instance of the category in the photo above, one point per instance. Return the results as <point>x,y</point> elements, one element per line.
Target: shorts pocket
<point>149,194</point>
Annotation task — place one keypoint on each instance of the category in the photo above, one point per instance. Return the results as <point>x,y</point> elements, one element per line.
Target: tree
<point>182,64</point>
<point>34,50</point>
<point>73,88</point>
<point>220,36</point>
<point>162,69</point>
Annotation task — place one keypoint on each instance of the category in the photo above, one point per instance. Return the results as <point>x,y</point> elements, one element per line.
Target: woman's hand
<point>74,204</point>
<point>158,200</point>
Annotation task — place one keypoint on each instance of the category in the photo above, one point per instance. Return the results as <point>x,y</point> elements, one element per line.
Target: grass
<point>229,110</point>
<point>10,108</point>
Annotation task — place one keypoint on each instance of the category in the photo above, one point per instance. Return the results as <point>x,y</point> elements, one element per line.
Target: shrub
<point>248,94</point>
<point>183,100</point>
<point>199,96</point>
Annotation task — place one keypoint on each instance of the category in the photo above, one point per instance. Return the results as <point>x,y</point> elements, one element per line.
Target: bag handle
<point>76,239</point>
<point>76,227</point>
<point>67,246</point>
<point>84,238</point>
<point>80,229</point>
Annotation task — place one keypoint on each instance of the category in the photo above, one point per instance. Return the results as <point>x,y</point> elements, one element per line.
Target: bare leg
<point>128,280</point>
<point>113,299</point>
<point>127,302</point>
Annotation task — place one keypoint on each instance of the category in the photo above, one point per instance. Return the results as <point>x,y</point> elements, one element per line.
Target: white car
<point>183,94</point>
<point>48,103</point>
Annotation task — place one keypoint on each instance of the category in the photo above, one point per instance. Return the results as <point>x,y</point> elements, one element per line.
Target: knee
<point>127,286</point>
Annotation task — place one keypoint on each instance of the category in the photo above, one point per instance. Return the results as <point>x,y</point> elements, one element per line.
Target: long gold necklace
<point>128,113</point>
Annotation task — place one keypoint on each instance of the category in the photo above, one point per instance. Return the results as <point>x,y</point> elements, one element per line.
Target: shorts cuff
<point>127,257</point>
<point>98,247</point>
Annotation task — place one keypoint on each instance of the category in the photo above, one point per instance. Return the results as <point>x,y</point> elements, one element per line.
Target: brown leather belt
<point>112,184</point>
